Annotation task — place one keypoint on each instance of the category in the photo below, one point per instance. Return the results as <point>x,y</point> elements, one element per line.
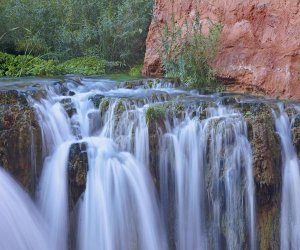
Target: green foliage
<point>156,112</point>
<point>26,66</point>
<point>5,61</point>
<point>114,30</point>
<point>136,70</point>
<point>83,66</point>
<point>248,114</point>
<point>187,53</point>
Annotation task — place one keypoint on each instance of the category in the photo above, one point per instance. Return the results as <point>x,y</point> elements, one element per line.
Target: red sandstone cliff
<point>260,41</point>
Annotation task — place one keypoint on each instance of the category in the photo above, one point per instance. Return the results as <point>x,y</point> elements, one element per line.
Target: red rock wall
<point>260,41</point>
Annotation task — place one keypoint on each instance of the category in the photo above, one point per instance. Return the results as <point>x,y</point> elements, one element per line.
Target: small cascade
<point>130,129</point>
<point>52,193</point>
<point>119,209</point>
<point>206,181</point>
<point>201,192</point>
<point>21,227</point>
<point>290,203</point>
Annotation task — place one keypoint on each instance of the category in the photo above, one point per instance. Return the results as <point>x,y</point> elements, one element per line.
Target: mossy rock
<point>296,133</point>
<point>77,169</point>
<point>267,163</point>
<point>68,106</point>
<point>155,112</point>
<point>265,146</point>
<point>96,100</point>
<point>131,84</point>
<point>268,225</point>
<point>230,100</point>
<point>256,108</point>
<point>20,138</point>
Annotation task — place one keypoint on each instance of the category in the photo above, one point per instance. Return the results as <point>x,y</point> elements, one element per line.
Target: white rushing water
<point>204,171</point>
<point>119,209</point>
<point>21,227</point>
<point>209,164</point>
<point>290,203</point>
<point>52,192</point>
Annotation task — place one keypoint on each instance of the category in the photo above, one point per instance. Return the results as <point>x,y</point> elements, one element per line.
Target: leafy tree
<point>113,30</point>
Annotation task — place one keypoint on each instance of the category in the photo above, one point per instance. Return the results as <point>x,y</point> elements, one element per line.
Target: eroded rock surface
<point>77,169</point>
<point>267,173</point>
<point>259,45</point>
<point>20,139</point>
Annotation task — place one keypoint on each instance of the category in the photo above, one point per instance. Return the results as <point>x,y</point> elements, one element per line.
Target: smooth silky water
<point>290,203</point>
<point>202,196</point>
<point>22,226</point>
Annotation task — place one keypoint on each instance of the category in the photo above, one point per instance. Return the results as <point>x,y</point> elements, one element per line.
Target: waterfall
<point>21,227</point>
<point>52,191</point>
<point>206,176</point>
<point>202,194</point>
<point>119,209</point>
<point>290,203</point>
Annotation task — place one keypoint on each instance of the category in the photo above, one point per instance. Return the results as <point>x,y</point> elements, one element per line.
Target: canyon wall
<point>259,44</point>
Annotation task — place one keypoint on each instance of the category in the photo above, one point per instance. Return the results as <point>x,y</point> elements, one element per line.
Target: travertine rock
<point>260,42</point>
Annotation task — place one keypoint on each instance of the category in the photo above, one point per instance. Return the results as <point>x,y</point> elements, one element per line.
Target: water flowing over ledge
<point>22,227</point>
<point>145,165</point>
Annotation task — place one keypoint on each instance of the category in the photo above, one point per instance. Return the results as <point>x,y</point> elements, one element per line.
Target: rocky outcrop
<point>267,173</point>
<point>77,169</point>
<point>296,133</point>
<point>20,139</point>
<point>259,45</point>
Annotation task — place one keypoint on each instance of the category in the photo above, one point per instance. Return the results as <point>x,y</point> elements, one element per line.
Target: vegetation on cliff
<point>155,112</point>
<point>187,52</point>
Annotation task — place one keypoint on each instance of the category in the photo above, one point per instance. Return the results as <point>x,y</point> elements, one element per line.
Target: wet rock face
<point>266,148</point>
<point>155,127</point>
<point>267,173</point>
<point>20,139</point>
<point>295,118</point>
<point>68,106</point>
<point>77,169</point>
<point>259,45</point>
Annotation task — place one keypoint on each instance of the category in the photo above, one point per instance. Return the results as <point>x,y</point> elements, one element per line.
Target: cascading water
<point>52,192</point>
<point>119,209</point>
<point>21,227</point>
<point>208,163</point>
<point>206,189</point>
<point>290,203</point>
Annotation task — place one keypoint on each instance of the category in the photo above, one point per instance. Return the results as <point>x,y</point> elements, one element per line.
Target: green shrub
<point>155,112</point>
<point>26,65</point>
<point>136,70</point>
<point>5,60</point>
<point>189,56</point>
<point>109,29</point>
<point>83,66</point>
